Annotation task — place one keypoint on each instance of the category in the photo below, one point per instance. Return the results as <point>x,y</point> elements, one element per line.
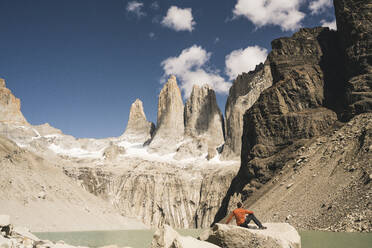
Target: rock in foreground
<point>166,237</point>
<point>278,235</point>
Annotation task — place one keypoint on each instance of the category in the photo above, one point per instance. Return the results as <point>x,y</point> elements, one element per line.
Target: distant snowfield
<point>65,145</point>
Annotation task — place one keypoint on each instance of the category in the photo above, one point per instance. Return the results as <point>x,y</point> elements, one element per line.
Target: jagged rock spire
<point>203,124</point>
<point>202,115</point>
<point>138,128</point>
<point>170,122</point>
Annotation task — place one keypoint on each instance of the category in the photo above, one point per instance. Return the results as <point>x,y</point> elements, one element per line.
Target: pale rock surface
<point>203,116</point>
<point>244,92</point>
<point>4,220</point>
<point>5,243</point>
<point>47,129</point>
<point>203,125</point>
<point>192,147</point>
<point>277,235</point>
<point>166,237</point>
<point>10,106</point>
<point>28,174</point>
<point>138,128</point>
<point>170,122</point>
<point>112,152</point>
<point>24,232</point>
<point>183,196</point>
<point>22,237</point>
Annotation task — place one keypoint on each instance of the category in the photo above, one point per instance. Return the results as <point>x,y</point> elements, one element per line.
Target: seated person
<point>241,218</point>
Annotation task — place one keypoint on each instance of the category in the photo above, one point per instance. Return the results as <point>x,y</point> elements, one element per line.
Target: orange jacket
<point>239,214</point>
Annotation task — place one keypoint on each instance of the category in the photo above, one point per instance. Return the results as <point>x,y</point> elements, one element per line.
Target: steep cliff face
<point>294,107</point>
<point>160,193</point>
<point>138,128</point>
<point>170,122</point>
<point>295,152</point>
<point>354,26</point>
<point>323,183</point>
<point>10,106</point>
<point>242,95</point>
<point>203,116</point>
<point>203,124</point>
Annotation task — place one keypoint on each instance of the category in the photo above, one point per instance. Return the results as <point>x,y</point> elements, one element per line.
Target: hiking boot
<point>262,227</point>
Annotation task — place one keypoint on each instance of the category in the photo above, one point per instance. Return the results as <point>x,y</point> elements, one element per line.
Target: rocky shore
<point>278,235</point>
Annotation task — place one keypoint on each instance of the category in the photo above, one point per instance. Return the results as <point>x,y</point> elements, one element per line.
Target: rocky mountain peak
<point>203,116</point>
<point>170,121</point>
<point>136,113</point>
<point>203,124</point>
<point>138,128</point>
<point>2,83</point>
<point>10,106</point>
<point>244,92</point>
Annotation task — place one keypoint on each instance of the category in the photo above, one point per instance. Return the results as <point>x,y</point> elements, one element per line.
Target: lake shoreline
<point>142,238</point>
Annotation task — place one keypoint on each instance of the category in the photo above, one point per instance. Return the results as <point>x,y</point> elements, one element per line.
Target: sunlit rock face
<point>170,122</point>
<point>244,92</point>
<point>138,128</point>
<point>203,116</point>
<point>160,193</point>
<point>203,124</point>
<point>10,106</point>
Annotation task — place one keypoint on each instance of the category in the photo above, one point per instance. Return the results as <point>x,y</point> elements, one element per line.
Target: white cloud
<point>190,68</point>
<point>319,6</point>
<point>179,19</point>
<point>284,13</point>
<point>331,25</point>
<point>136,8</point>
<point>244,60</point>
<point>216,40</point>
<point>152,35</point>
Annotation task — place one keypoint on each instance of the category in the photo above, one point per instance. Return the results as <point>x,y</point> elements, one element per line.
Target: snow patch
<point>76,152</point>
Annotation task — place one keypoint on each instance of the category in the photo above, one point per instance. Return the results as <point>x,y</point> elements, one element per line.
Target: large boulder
<point>24,232</point>
<point>5,243</point>
<point>138,128</point>
<point>170,122</point>
<point>166,237</point>
<point>277,235</point>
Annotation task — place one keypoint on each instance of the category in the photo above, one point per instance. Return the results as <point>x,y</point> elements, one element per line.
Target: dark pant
<point>248,219</point>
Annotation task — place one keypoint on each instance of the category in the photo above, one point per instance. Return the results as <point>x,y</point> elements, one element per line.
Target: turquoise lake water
<point>142,238</point>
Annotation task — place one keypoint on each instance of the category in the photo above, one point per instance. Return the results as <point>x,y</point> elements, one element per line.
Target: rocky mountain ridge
<point>291,116</point>
<point>304,112</point>
<point>10,106</point>
<point>182,189</point>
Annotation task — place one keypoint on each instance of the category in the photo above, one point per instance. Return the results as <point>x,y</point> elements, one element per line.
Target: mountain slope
<point>299,162</point>
<point>37,194</point>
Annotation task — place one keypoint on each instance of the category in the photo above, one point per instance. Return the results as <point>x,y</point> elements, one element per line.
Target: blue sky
<point>79,64</point>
